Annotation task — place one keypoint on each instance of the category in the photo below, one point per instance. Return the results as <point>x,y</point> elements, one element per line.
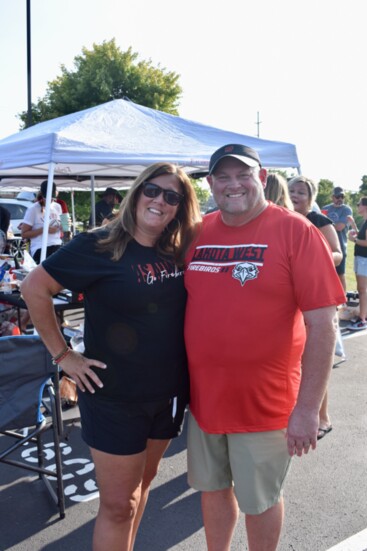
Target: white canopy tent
<point>113,142</point>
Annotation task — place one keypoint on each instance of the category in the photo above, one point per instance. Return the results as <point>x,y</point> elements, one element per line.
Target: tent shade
<point>25,182</point>
<point>119,139</point>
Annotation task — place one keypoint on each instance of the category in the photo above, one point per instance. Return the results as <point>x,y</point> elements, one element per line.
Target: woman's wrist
<point>61,355</point>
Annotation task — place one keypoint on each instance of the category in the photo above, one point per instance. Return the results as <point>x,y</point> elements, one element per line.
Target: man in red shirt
<point>256,275</point>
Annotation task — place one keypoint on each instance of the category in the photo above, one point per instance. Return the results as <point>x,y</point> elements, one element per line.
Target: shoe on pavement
<point>357,325</point>
<point>323,432</point>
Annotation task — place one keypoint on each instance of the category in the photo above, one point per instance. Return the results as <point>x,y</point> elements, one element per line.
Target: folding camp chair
<point>30,406</point>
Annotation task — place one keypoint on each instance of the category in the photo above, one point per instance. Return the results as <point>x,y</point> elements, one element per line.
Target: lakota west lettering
<point>235,253</point>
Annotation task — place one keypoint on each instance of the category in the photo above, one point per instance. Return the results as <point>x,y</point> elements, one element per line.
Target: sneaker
<point>357,325</point>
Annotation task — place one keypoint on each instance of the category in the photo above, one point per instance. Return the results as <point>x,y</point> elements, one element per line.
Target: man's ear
<point>209,179</point>
<point>263,175</point>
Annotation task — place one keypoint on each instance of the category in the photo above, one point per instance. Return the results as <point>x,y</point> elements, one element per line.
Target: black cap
<point>111,191</point>
<point>245,154</point>
<point>44,189</point>
<point>338,191</point>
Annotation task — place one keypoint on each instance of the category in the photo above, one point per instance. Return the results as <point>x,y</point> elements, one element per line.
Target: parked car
<point>17,208</point>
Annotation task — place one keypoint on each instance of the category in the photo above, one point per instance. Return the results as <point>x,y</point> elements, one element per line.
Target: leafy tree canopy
<point>363,186</point>
<point>104,73</point>
<point>325,192</point>
<point>202,194</point>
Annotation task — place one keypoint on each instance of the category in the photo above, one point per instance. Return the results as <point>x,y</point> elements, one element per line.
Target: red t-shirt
<point>244,330</point>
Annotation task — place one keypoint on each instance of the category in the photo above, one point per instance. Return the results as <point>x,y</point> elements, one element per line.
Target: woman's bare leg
<point>123,483</point>
<point>119,482</point>
<point>154,453</point>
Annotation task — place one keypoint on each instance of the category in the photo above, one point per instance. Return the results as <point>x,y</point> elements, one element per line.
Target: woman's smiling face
<point>153,214</point>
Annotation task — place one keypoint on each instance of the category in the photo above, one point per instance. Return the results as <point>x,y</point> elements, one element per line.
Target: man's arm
<point>352,223</point>
<point>346,219</point>
<point>339,226</point>
<point>317,362</point>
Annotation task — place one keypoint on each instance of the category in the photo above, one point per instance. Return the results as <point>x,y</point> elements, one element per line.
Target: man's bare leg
<point>220,514</point>
<point>263,531</point>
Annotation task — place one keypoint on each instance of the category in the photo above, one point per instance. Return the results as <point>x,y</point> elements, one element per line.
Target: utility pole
<point>258,122</point>
<point>29,72</point>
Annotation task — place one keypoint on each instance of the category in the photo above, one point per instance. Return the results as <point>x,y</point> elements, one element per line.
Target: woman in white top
<point>33,223</point>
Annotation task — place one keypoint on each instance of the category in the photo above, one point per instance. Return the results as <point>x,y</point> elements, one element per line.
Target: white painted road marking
<point>358,542</point>
<point>352,334</point>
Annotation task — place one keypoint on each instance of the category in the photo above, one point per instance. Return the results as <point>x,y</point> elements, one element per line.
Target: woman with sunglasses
<point>132,378</point>
<point>360,266</point>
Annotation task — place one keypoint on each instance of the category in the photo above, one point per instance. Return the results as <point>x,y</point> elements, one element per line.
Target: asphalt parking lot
<point>325,494</point>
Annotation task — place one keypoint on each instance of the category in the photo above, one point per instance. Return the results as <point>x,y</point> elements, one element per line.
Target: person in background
<point>65,218</point>
<point>62,203</point>
<point>33,223</point>
<point>303,192</point>
<point>249,299</point>
<point>4,219</point>
<point>104,208</point>
<point>4,227</point>
<point>112,215</point>
<point>360,266</point>
<point>131,276</point>
<point>276,190</point>
<point>342,216</point>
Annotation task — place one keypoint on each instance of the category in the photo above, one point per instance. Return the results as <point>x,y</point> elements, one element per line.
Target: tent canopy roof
<point>118,139</point>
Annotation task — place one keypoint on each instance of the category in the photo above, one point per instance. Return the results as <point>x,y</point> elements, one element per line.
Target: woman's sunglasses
<point>153,190</point>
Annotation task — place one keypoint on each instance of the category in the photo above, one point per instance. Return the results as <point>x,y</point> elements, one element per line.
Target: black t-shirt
<point>134,313</point>
<point>103,210</point>
<point>318,219</point>
<point>359,250</point>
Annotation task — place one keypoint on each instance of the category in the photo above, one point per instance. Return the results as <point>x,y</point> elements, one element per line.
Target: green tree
<point>325,192</point>
<point>104,73</point>
<point>201,193</point>
<point>363,186</point>
<point>281,172</point>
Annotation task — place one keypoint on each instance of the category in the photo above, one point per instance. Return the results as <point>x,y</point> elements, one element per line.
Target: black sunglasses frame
<point>171,197</point>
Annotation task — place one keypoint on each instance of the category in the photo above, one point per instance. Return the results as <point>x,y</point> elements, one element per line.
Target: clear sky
<point>300,64</point>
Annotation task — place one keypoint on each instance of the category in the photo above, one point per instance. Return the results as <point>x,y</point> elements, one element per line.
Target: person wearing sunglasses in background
<point>132,378</point>
<point>342,216</point>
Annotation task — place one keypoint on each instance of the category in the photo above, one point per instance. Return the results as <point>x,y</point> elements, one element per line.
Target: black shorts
<point>122,428</point>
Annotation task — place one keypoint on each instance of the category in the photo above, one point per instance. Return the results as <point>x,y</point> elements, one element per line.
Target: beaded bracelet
<point>59,357</point>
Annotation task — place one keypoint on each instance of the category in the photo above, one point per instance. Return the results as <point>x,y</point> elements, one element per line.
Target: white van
<point>17,208</point>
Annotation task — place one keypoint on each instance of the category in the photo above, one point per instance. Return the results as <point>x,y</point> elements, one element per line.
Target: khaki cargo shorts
<point>254,463</point>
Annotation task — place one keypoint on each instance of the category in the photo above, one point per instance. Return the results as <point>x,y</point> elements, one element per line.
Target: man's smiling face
<point>236,187</point>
